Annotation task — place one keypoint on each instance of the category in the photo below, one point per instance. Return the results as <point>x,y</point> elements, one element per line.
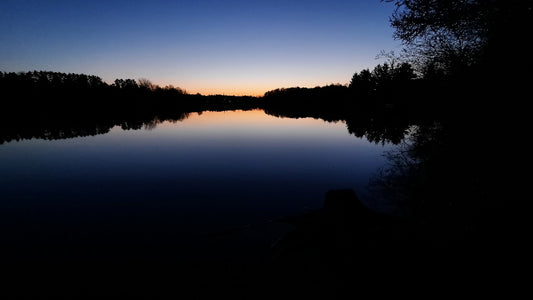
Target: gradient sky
<point>209,47</point>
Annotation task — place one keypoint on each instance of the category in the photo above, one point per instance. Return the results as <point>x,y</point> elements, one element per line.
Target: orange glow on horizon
<point>240,90</point>
<point>219,88</point>
<point>255,117</point>
<point>254,92</point>
<point>232,116</point>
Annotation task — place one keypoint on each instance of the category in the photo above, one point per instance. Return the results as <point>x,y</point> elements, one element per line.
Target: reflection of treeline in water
<point>380,104</point>
<point>386,123</point>
<point>52,105</point>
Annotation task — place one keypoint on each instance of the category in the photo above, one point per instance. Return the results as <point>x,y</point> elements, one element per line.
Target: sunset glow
<point>208,47</point>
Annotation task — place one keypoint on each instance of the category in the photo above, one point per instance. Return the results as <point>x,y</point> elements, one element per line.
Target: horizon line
<point>187,91</point>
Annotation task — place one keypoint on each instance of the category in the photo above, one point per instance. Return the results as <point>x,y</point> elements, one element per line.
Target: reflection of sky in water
<point>215,169</point>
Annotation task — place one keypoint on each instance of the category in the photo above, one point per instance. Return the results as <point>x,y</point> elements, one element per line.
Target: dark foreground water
<point>149,190</point>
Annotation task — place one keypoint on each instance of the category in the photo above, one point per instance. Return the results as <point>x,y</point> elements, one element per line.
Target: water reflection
<point>173,178</point>
<point>187,189</point>
<point>442,178</point>
<point>377,129</point>
<point>55,129</point>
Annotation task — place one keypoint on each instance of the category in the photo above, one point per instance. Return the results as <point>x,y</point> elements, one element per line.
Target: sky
<point>231,47</point>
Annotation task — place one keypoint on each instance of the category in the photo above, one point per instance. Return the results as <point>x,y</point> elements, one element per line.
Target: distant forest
<point>455,67</point>
<point>53,105</point>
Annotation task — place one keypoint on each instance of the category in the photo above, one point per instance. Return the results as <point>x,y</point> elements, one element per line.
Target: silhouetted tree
<point>382,74</point>
<point>403,72</point>
<point>453,35</point>
<point>449,33</point>
<point>125,84</point>
<point>362,83</point>
<point>386,84</point>
<point>147,84</point>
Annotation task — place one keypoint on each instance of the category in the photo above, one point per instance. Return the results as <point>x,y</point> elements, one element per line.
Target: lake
<point>174,180</point>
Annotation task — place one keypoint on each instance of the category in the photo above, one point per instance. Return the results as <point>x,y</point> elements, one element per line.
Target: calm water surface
<point>207,173</point>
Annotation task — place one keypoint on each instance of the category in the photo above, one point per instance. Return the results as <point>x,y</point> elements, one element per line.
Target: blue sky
<point>211,47</point>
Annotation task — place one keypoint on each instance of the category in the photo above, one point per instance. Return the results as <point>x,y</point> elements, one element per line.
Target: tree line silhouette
<point>54,105</point>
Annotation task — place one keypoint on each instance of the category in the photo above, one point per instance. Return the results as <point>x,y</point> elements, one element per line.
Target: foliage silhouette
<point>55,105</point>
<point>52,105</point>
<point>456,38</point>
